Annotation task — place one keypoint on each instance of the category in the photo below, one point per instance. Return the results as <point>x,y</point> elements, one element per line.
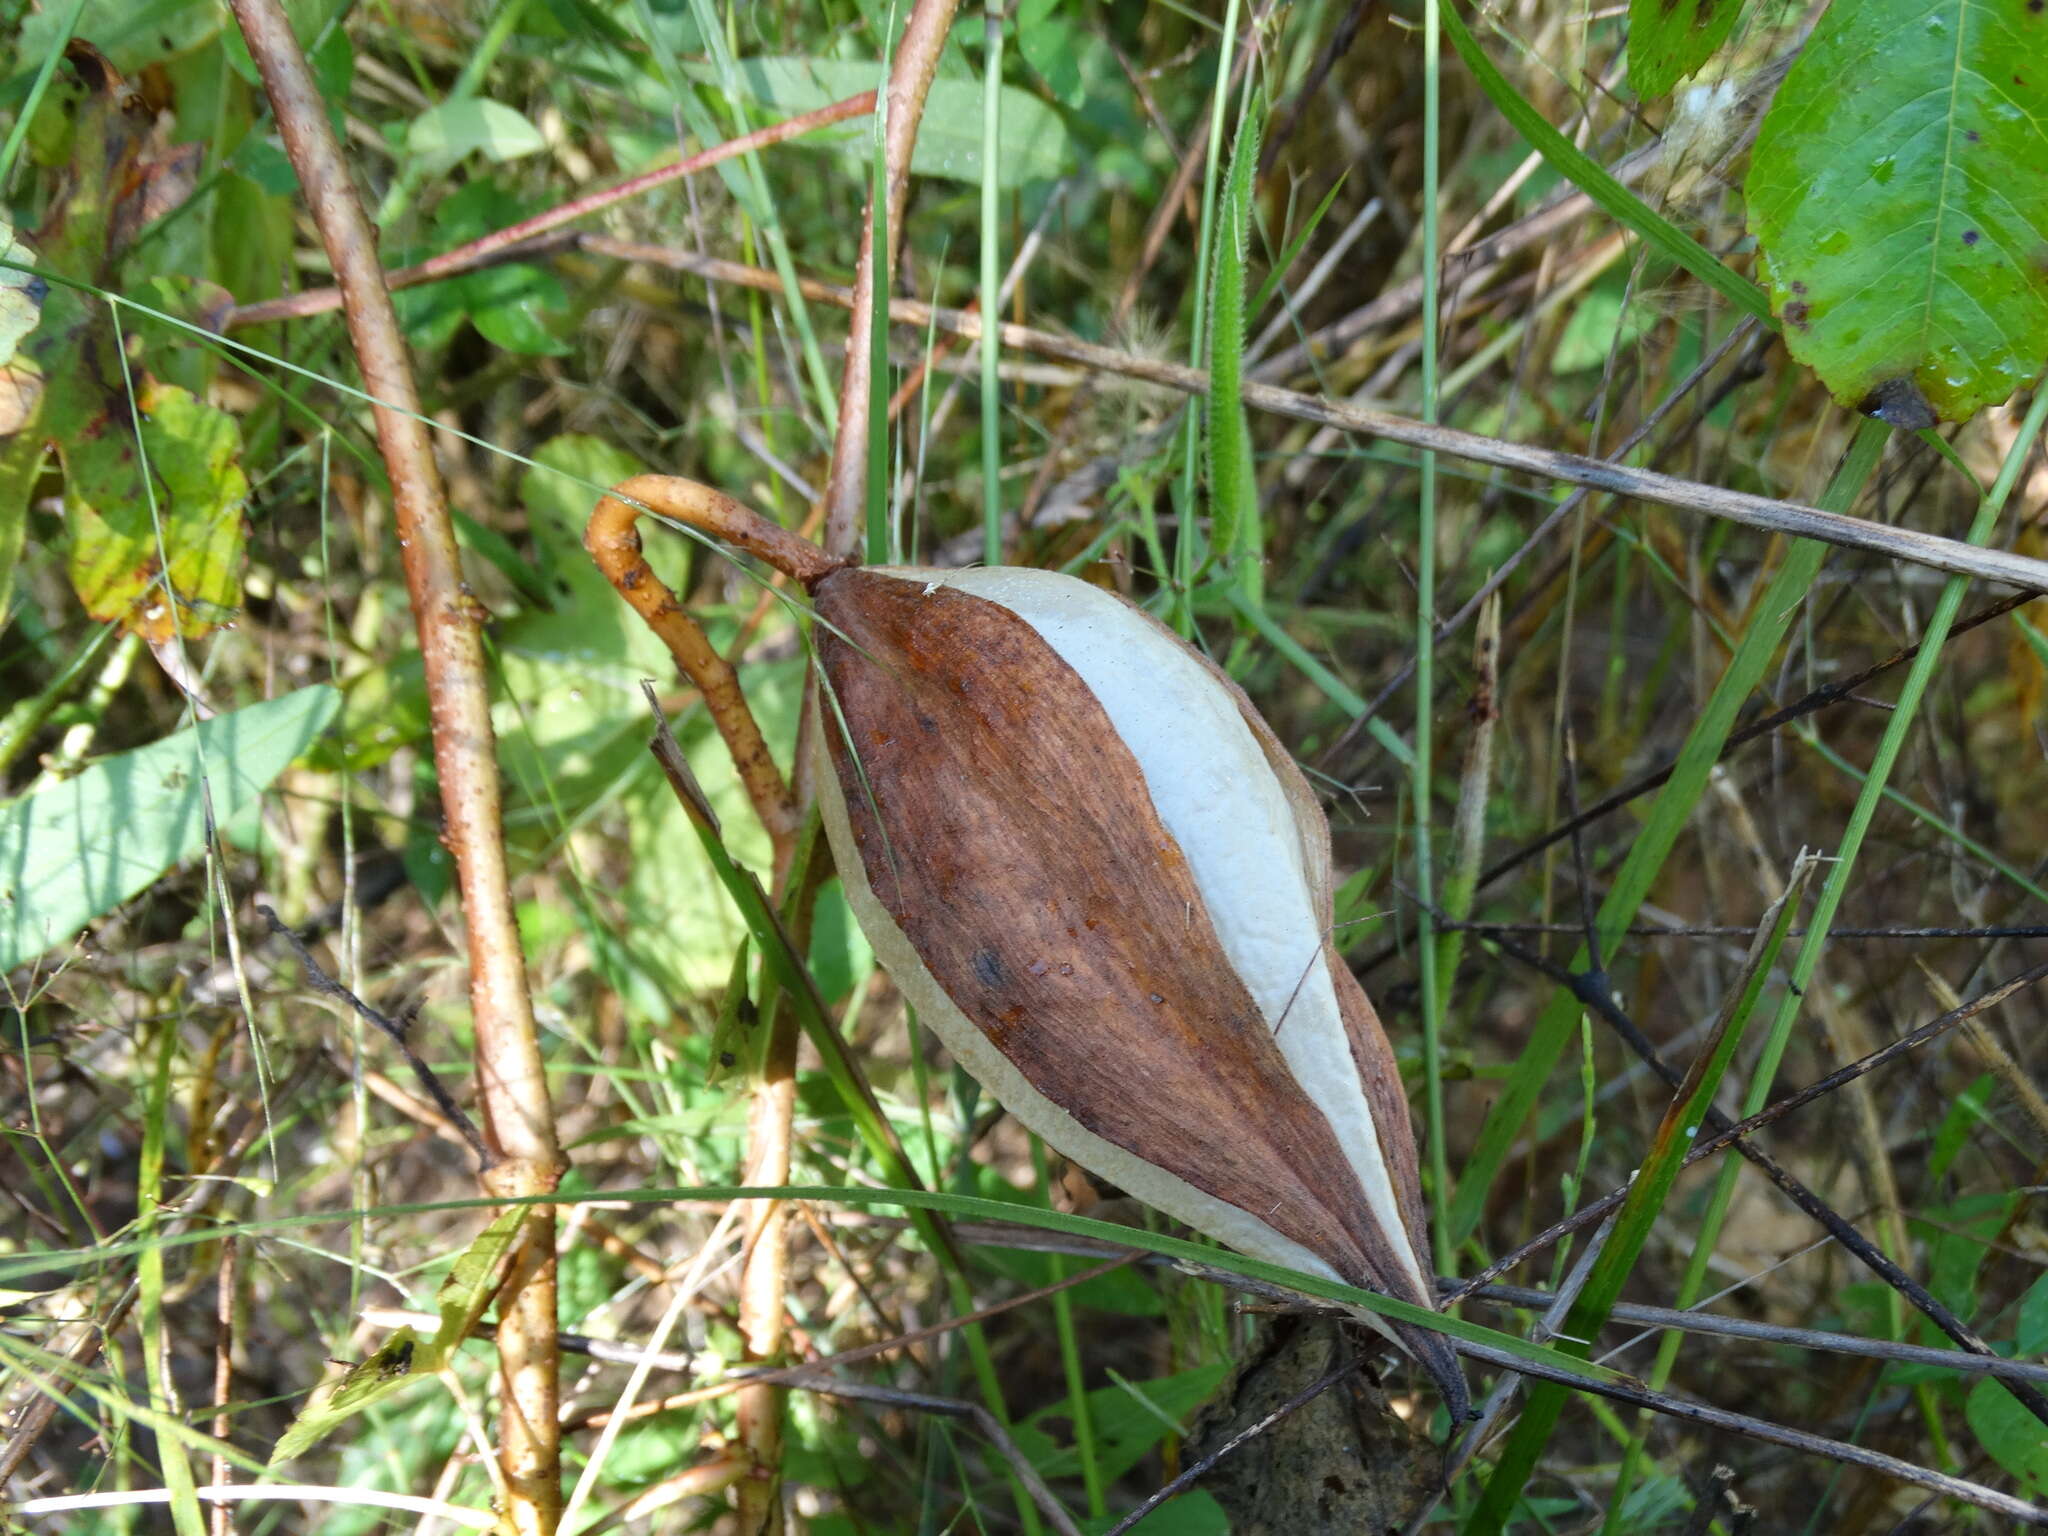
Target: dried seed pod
<point>1101,879</point>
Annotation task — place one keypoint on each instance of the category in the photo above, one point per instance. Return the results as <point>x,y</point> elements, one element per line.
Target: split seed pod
<point>1103,882</point>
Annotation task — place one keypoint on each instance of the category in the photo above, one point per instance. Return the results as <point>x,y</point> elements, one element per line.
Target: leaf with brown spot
<point>1897,193</point>
<point>170,490</point>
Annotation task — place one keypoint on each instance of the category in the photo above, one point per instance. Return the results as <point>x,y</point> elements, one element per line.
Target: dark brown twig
<point>1601,1001</point>
<point>519,1119</point>
<point>318,979</point>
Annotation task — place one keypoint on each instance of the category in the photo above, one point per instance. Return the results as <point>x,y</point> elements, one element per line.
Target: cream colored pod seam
<point>1213,789</point>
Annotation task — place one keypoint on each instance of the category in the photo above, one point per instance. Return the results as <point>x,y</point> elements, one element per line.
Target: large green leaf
<point>1035,142</point>
<point>1898,192</point>
<point>82,847</point>
<point>1669,39</point>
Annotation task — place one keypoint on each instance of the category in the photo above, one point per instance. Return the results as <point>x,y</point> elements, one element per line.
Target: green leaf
<point>1053,45</point>
<point>1669,39</point>
<point>2011,1435</point>
<point>131,33</point>
<point>1233,489</point>
<point>80,848</point>
<point>1129,1420</point>
<point>1035,142</point>
<point>156,517</point>
<point>2032,1334</point>
<point>1896,191</point>
<point>1602,321</point>
<point>456,129</point>
<point>506,304</point>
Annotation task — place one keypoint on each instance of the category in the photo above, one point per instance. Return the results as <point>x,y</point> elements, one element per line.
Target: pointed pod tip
<point>1433,1352</point>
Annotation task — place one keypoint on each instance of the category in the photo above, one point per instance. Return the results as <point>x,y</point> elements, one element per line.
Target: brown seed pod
<point>1103,882</point>
<point>1101,879</point>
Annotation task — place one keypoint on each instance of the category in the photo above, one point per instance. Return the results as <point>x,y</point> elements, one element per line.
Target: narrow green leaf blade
<point>470,1284</point>
<point>375,1378</point>
<point>1898,194</point>
<point>1594,179</point>
<point>80,848</point>
<point>1233,493</point>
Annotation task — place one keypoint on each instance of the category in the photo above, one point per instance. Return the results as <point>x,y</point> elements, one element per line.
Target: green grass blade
<point>1233,486</point>
<point>1334,688</point>
<point>1593,179</point>
<point>1421,786</point>
<point>1666,821</point>
<point>1641,1209</point>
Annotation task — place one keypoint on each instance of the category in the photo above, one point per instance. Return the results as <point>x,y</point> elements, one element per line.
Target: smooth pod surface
<point>1102,881</point>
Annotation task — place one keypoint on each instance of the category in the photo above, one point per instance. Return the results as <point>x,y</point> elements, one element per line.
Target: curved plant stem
<point>917,59</point>
<point>519,1120</point>
<point>613,539</point>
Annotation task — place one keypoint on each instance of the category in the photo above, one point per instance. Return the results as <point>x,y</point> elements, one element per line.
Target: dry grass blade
<point>1794,519</point>
<point>1708,1417</point>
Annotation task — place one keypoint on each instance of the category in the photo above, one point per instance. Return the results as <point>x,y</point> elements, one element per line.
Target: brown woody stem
<point>519,1123</point>
<point>613,539</point>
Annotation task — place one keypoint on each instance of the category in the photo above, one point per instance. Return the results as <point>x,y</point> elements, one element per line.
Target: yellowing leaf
<point>156,517</point>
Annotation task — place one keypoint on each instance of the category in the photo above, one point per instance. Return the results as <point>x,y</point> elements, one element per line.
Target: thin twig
<point>910,77</point>
<point>523,242</point>
<point>317,978</point>
<point>519,1118</point>
<point>1762,512</point>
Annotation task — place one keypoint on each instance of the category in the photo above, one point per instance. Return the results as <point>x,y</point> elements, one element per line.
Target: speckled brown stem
<point>613,539</point>
<point>518,1117</point>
